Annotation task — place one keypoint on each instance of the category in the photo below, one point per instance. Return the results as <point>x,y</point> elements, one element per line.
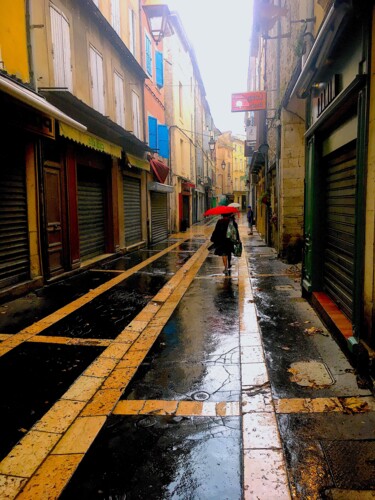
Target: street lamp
<point>157,18</point>
<point>223,165</point>
<point>211,144</point>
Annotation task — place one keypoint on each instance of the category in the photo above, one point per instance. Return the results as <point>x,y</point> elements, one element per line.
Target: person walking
<point>223,244</point>
<point>250,218</point>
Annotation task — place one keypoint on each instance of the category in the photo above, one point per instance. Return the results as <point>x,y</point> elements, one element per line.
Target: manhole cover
<point>312,374</point>
<point>200,396</point>
<point>147,422</point>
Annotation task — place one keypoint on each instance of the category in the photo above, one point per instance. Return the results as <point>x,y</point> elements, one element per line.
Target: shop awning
<point>159,188</point>
<point>160,169</point>
<point>36,101</point>
<point>135,161</point>
<point>97,124</point>
<point>90,140</point>
<point>188,185</point>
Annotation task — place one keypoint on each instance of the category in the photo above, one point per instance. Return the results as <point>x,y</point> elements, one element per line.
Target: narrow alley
<point>157,376</point>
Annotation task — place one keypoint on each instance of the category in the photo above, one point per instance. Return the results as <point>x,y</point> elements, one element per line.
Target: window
<point>61,52</point>
<point>97,81</point>
<point>119,99</point>
<point>148,55</point>
<point>136,115</point>
<point>132,31</point>
<point>115,16</point>
<point>159,69</point>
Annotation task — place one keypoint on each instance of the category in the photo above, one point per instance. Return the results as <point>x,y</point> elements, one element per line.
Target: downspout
<point>278,132</point>
<point>142,63</point>
<point>148,195</point>
<point>265,141</point>
<point>30,27</point>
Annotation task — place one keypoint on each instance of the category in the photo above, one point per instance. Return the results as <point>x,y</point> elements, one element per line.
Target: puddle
<point>312,374</point>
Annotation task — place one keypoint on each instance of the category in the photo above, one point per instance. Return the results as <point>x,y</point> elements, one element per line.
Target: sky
<point>219,31</point>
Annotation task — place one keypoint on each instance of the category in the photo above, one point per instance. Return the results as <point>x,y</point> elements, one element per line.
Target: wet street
<point>156,376</point>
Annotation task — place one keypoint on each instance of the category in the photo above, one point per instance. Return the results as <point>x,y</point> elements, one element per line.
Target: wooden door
<point>54,219</point>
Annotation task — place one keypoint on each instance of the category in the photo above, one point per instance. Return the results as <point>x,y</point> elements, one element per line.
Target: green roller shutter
<point>159,217</point>
<point>132,210</point>
<point>14,242</point>
<point>91,213</point>
<point>339,251</point>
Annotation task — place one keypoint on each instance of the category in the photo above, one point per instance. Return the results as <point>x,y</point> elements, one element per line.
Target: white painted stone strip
<point>265,474</point>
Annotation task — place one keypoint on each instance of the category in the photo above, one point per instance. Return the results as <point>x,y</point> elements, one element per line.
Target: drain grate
<point>200,396</point>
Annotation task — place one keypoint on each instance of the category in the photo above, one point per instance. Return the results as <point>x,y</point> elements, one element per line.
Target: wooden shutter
<point>153,132</point>
<point>119,99</point>
<point>163,141</point>
<point>97,80</point>
<point>115,16</point>
<point>62,65</point>
<point>148,56</point>
<point>131,32</point>
<point>136,117</point>
<point>159,69</point>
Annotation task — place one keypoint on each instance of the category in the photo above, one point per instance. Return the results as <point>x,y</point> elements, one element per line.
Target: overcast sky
<point>219,31</point>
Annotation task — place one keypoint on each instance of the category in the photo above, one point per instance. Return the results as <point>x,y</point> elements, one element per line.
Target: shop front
<point>333,267</point>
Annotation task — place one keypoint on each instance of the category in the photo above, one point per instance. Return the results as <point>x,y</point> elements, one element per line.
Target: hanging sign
<point>249,101</point>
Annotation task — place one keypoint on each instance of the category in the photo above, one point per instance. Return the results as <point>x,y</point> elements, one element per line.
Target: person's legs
<point>225,262</point>
<point>229,260</point>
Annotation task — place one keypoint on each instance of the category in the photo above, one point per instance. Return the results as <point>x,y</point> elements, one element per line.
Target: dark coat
<point>223,245</point>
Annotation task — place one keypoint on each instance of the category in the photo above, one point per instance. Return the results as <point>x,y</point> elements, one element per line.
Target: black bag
<point>237,249</point>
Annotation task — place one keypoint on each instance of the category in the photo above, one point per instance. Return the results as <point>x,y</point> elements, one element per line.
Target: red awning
<point>187,185</point>
<point>160,169</point>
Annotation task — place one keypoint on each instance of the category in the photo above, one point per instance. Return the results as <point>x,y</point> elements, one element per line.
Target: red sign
<point>249,101</point>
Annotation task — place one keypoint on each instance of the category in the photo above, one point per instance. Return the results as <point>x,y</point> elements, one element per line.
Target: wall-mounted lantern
<point>157,18</point>
<point>211,145</point>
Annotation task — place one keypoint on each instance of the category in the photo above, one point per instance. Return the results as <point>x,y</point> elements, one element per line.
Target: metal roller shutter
<point>91,214</point>
<point>14,242</point>
<point>340,236</point>
<point>159,217</point>
<point>132,210</point>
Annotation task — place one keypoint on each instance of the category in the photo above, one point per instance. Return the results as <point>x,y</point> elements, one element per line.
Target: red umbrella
<point>220,210</point>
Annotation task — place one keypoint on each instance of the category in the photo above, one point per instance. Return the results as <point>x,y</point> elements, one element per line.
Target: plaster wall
<point>83,34</point>
<point>13,41</point>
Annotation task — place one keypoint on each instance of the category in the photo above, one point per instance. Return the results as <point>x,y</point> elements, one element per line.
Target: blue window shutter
<point>153,132</point>
<point>159,69</point>
<point>148,56</point>
<point>163,141</point>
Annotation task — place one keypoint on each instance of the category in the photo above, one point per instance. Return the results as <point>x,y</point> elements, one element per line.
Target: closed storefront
<point>339,241</point>
<point>334,264</point>
<point>132,210</point>
<point>91,212</point>
<point>14,244</point>
<point>159,217</point>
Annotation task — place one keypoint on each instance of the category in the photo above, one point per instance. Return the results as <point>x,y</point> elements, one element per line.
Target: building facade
<point>315,171</point>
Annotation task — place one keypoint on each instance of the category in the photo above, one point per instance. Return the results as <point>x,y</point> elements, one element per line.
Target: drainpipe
<point>278,131</point>
<point>29,36</point>
<point>142,62</point>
